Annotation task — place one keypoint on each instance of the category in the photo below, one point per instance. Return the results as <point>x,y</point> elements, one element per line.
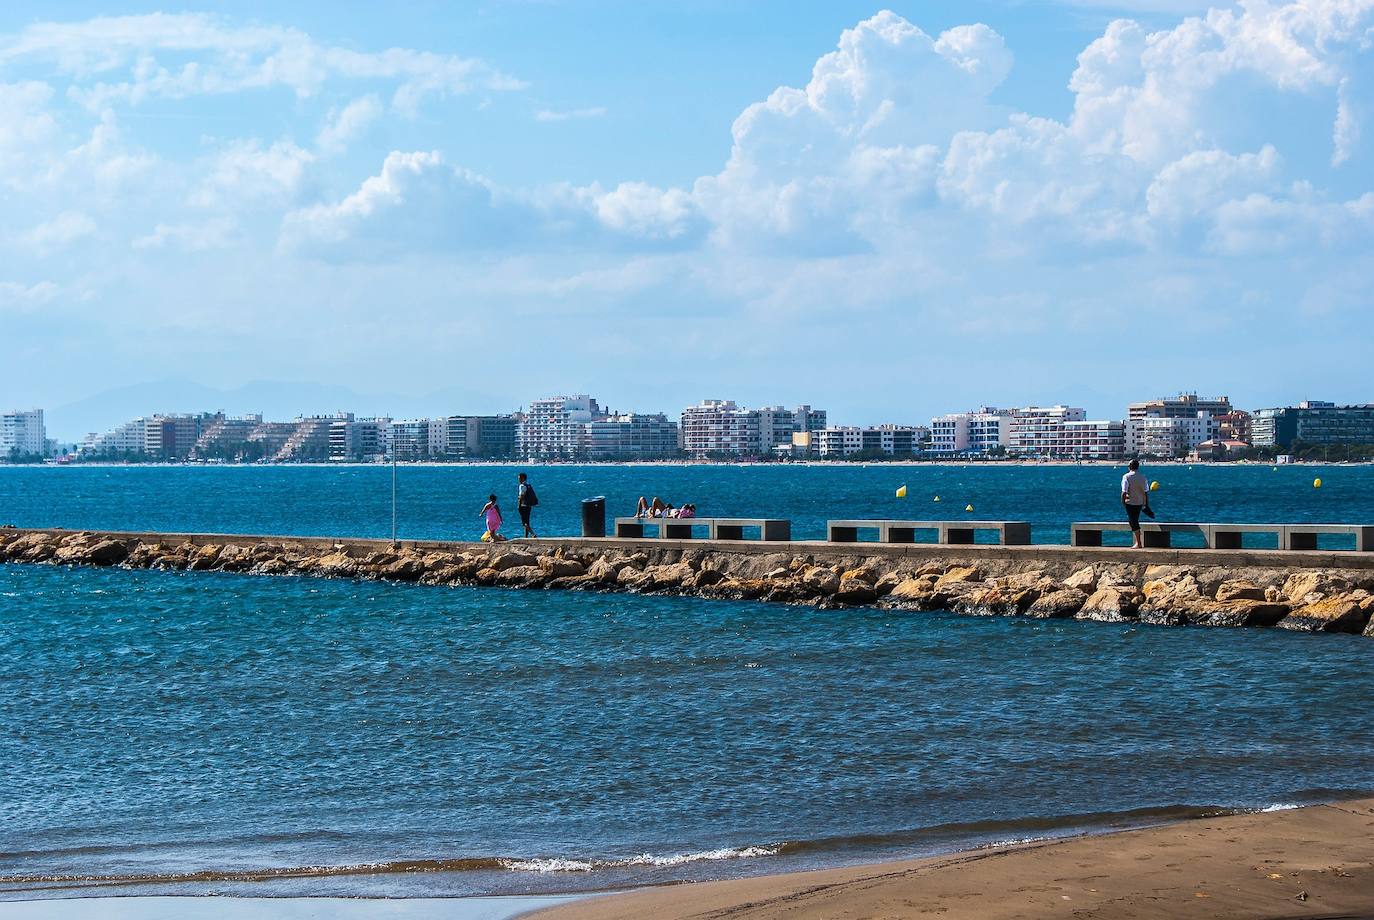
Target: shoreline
<point>1315,860</point>
<point>767,464</point>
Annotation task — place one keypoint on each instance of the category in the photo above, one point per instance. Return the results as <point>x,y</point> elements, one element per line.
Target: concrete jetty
<point>1311,591</point>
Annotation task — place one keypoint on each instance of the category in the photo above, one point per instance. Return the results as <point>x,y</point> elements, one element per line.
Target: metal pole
<point>393,493</point>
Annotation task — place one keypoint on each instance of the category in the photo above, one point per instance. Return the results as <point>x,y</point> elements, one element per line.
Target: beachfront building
<point>1064,432</point>
<point>227,438</point>
<point>1184,405</point>
<point>719,427</point>
<point>632,436</point>
<point>357,440</point>
<point>409,439</point>
<point>473,437</point>
<point>1155,436</point>
<point>984,431</point>
<point>1234,426</point>
<point>838,442</point>
<point>1039,432</point>
<point>556,427</point>
<point>23,434</point>
<point>1313,422</point>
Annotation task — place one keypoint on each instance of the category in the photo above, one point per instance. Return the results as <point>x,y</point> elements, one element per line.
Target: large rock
<point>553,567</point>
<point>407,566</point>
<point>821,579</point>
<point>336,565</point>
<point>513,558</point>
<point>675,576</point>
<point>1240,591</point>
<point>520,576</point>
<point>917,592</point>
<point>1242,611</point>
<point>855,589</point>
<point>204,557</point>
<point>1085,579</point>
<point>958,575</point>
<point>1300,588</point>
<point>235,558</point>
<point>1342,613</point>
<point>33,547</point>
<point>1062,604</point>
<point>1110,604</point>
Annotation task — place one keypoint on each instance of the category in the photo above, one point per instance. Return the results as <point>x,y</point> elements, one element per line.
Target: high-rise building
<point>556,427</point>
<point>1313,422</point>
<point>632,437</point>
<point>226,438</point>
<point>1040,431</point>
<point>840,441</point>
<point>985,430</point>
<point>719,427</point>
<point>22,433</point>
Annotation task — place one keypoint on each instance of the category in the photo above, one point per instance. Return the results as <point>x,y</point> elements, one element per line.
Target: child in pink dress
<point>491,511</point>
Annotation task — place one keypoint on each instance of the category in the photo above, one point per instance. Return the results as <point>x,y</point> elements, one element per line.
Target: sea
<point>168,733</point>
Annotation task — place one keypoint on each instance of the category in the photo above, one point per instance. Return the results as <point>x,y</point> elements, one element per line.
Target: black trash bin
<point>594,516</point>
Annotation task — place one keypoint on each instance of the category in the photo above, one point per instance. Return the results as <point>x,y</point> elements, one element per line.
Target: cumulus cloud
<point>349,122</point>
<point>19,297</point>
<point>188,237</point>
<point>247,172</point>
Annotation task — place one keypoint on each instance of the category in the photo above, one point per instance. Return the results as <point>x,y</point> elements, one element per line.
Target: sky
<point>889,211</point>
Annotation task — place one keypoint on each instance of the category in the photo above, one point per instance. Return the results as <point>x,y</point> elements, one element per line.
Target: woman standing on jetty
<point>491,512</point>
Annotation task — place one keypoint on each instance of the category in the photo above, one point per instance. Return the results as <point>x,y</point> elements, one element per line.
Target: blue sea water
<point>170,732</point>
<point>442,502</point>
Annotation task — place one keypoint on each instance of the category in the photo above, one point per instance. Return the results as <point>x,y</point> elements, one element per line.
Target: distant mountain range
<point>277,401</point>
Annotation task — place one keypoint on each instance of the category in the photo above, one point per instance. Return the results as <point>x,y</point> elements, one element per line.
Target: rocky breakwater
<point>1308,600</point>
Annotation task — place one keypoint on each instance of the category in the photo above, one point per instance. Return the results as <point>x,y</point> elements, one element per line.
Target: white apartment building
<point>982,431</point>
<point>557,427</point>
<point>1092,440</point>
<point>1040,431</point>
<point>719,426</point>
<point>128,438</point>
<point>632,436</point>
<point>409,439</point>
<point>23,432</point>
<point>1184,405</point>
<point>837,442</point>
<point>1155,436</point>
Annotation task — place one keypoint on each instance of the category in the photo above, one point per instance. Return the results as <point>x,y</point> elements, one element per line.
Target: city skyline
<point>940,204</point>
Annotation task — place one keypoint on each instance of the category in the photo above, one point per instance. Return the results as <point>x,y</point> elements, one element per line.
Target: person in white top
<point>1135,495</point>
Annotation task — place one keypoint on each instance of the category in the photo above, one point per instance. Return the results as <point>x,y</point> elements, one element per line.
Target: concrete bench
<point>1009,533</point>
<point>1304,536</point>
<point>770,529</point>
<point>1153,533</point>
<point>1230,536</point>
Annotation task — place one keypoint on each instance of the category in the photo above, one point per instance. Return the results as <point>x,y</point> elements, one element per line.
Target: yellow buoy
<point>901,491</point>
<point>937,498</point>
<point>1316,483</point>
<point>1154,486</point>
<point>968,507</point>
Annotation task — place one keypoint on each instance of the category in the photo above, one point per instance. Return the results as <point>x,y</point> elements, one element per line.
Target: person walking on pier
<point>525,502</point>
<point>1135,495</point>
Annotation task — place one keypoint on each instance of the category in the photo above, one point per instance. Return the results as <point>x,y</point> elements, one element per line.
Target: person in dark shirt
<point>525,503</point>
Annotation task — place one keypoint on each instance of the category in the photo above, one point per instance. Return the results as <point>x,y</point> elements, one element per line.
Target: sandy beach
<point>1309,862</point>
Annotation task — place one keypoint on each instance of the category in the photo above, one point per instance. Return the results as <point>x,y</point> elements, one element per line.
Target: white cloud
<point>187,237</point>
<point>569,114</point>
<point>59,232</point>
<point>348,123</point>
<point>128,59</point>
<point>247,173</point>
<point>22,298</point>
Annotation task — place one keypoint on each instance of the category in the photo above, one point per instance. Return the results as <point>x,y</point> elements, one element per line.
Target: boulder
<point>608,570</point>
<point>33,547</point>
<point>1341,613</point>
<point>1300,587</point>
<point>274,566</point>
<point>888,582</point>
<point>486,576</point>
<point>855,589</point>
<point>203,557</point>
<point>1109,604</point>
<point>335,565</point>
<point>705,578</point>
<point>405,567</point>
<point>1239,611</point>
<point>821,579</point>
<point>1061,604</point>
<point>444,575</point>
<point>659,577</point>
<point>520,576</point>
<point>993,600</point>
<point>919,591</point>
<point>958,575</point>
<point>1085,579</point>
<point>561,568</point>
<point>1240,591</point>
<point>235,558</point>
<point>513,558</point>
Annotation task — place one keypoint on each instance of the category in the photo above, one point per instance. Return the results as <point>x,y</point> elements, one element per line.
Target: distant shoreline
<point>555,464</point>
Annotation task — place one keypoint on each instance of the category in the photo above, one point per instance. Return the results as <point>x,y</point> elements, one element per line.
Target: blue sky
<point>891,211</point>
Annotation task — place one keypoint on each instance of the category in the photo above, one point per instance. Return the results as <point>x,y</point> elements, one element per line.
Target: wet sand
<point>230,908</point>
<point>1314,862</point>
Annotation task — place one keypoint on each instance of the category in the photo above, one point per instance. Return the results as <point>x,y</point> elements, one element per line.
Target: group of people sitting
<point>658,508</point>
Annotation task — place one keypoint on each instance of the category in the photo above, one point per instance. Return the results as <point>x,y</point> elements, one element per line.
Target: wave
<point>930,840</point>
